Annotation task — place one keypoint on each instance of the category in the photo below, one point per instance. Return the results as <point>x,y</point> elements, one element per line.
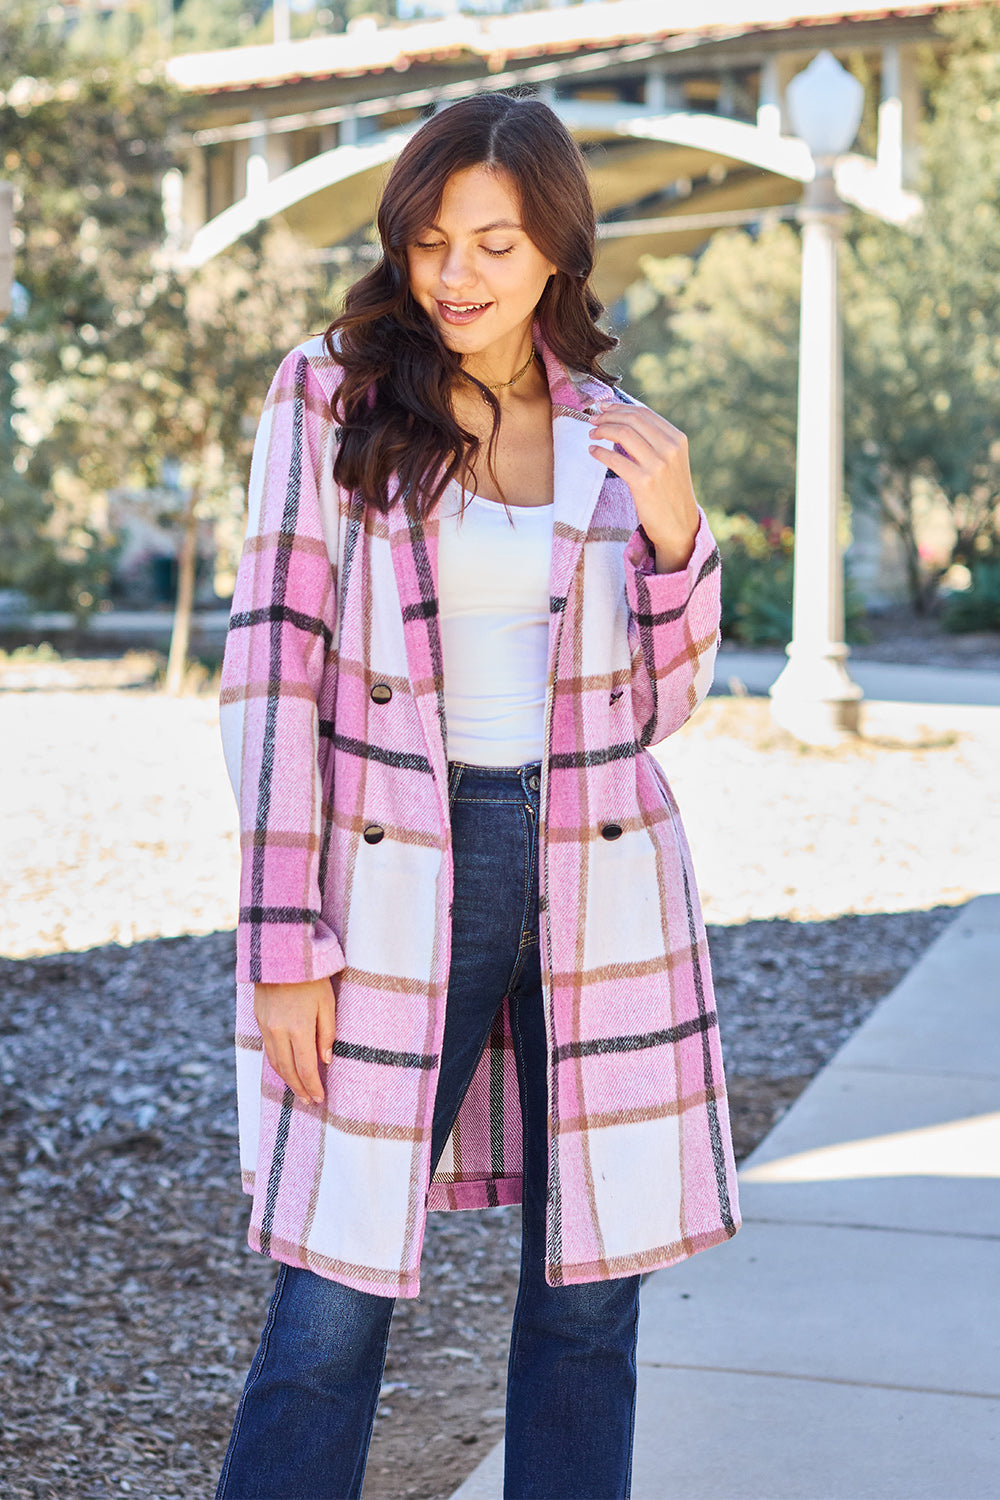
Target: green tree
<point>136,31</point>
<point>182,377</point>
<point>85,147</point>
<point>206,24</point>
<point>50,559</point>
<point>124,359</point>
<point>715,342</point>
<point>923,314</point>
<point>714,347</point>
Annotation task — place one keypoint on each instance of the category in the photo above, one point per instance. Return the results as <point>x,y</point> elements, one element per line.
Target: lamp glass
<point>825,104</point>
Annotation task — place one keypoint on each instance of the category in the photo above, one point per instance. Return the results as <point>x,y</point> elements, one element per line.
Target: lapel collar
<point>414,545</point>
<point>577,475</point>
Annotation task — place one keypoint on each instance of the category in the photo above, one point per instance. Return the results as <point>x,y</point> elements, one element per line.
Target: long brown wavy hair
<point>394,403</point>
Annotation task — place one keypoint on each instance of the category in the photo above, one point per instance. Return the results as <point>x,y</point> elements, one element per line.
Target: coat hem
<point>377,1281</point>
<point>491,1192</point>
<point>658,1259</point>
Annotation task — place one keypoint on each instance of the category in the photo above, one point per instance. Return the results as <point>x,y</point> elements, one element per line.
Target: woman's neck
<point>501,369</point>
<point>473,411</point>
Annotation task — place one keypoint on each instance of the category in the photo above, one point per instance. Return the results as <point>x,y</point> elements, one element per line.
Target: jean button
<point>534,782</point>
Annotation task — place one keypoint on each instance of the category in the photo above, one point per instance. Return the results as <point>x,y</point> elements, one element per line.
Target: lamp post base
<point>814,698</point>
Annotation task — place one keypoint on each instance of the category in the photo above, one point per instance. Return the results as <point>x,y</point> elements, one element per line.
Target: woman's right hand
<point>298,1025</point>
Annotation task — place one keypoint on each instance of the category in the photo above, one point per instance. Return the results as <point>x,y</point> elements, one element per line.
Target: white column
<point>911,103</point>
<point>769,118</point>
<point>279,154</point>
<point>898,117</point>
<point>889,151</point>
<point>281,17</point>
<point>172,203</point>
<point>661,95</point>
<point>258,172</point>
<point>194,201</point>
<point>348,131</point>
<point>814,698</point>
<point>6,248</point>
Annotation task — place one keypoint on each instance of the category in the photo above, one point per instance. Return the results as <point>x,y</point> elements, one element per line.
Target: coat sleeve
<point>279,662</point>
<point>673,633</point>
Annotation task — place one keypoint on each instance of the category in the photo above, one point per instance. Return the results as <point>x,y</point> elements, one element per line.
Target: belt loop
<point>454,777</point>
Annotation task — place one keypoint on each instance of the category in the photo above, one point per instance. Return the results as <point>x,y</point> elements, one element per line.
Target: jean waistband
<point>493,783</point>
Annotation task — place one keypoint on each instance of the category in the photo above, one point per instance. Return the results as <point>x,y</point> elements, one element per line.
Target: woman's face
<point>475,272</point>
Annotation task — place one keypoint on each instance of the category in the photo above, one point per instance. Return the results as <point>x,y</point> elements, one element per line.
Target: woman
<point>476,587</point>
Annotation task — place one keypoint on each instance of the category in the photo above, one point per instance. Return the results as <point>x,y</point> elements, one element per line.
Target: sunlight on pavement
<point>955,1148</point>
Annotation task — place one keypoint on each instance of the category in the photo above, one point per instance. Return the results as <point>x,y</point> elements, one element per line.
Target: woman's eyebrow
<point>485,228</point>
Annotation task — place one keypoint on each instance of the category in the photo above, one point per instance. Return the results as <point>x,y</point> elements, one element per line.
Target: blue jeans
<point>305,1418</point>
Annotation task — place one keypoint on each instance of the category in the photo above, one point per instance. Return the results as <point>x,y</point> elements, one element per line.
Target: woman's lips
<point>458,313</point>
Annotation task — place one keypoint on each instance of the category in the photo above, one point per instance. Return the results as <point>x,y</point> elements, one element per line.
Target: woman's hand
<point>298,1025</point>
<point>656,469</point>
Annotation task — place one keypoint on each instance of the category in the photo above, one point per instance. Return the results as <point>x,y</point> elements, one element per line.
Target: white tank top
<point>493,589</point>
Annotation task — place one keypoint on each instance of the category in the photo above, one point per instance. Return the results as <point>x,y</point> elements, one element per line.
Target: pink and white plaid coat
<point>333,725</point>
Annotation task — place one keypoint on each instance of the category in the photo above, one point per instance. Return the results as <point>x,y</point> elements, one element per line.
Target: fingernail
<point>328,1055</point>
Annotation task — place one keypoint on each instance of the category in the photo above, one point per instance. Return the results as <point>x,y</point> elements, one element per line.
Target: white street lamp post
<point>814,697</point>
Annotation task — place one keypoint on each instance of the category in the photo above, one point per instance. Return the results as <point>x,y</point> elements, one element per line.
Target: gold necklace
<point>504,385</point>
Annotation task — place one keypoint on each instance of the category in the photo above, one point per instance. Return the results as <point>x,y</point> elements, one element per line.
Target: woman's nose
<point>456,269</point>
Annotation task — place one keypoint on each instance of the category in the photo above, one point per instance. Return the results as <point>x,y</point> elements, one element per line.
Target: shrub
<point>757,571</point>
<point>756,578</point>
<point>978,606</point>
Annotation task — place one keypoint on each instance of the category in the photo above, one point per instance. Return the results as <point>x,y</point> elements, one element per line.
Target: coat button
<point>381,692</point>
<point>374,834</point>
<point>609,831</point>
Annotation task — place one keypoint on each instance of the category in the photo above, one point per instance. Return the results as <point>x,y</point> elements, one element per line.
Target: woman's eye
<point>489,251</point>
<point>426,245</point>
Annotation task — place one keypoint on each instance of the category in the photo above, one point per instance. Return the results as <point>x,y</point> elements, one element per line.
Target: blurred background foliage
<point>204,25</point>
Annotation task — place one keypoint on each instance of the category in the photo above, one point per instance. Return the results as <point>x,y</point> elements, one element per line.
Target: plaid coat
<point>335,737</point>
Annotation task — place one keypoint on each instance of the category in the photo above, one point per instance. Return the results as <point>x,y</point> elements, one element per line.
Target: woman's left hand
<point>656,468</point>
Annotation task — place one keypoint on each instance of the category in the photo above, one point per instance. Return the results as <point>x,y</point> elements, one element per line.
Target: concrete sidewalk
<point>755,671</point>
<point>846,1344</point>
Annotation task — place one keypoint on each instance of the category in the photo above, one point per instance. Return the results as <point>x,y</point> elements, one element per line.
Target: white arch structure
<point>327,170</point>
<point>727,141</point>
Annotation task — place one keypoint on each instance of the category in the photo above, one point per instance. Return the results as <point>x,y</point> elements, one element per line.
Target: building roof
<point>369,48</point>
